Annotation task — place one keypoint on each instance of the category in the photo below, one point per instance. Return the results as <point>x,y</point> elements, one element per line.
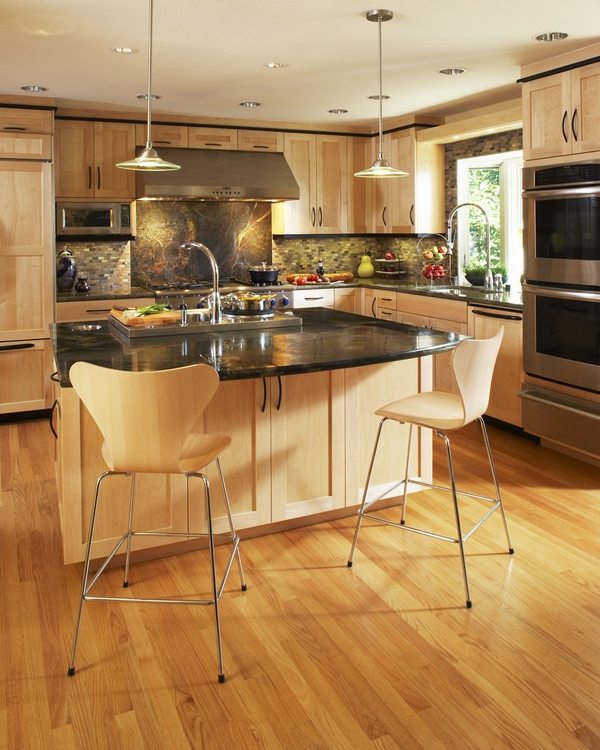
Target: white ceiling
<point>210,55</point>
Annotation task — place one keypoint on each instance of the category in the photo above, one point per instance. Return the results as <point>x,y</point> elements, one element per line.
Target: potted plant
<point>475,273</point>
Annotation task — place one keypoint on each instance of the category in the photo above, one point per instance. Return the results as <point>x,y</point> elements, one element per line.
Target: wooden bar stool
<point>473,362</point>
<point>150,422</point>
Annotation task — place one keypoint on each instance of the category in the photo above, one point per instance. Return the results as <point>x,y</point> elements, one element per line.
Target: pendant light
<point>149,160</point>
<point>381,166</point>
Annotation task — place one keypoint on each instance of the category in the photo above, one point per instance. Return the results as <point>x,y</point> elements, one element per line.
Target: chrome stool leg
<point>488,448</point>
<point>404,494</point>
<point>366,489</point>
<point>213,567</point>
<point>234,536</point>
<point>86,573</point>
<point>129,533</point>
<point>457,516</point>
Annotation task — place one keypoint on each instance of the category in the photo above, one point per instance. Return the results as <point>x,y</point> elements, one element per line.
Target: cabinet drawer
<point>260,140</point>
<point>313,298</point>
<point>25,146</point>
<point>175,136</point>
<point>14,120</point>
<point>25,368</point>
<point>216,138</point>
<point>98,309</point>
<point>432,307</point>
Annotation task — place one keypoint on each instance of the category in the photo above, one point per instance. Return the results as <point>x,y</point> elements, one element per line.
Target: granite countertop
<point>95,294</point>
<point>327,340</point>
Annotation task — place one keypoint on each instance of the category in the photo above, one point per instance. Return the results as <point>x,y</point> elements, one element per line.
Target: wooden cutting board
<point>166,318</point>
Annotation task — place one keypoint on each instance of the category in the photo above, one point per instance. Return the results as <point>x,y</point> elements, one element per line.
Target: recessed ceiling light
<point>376,97</point>
<point>275,65</point>
<point>250,104</point>
<point>146,97</point>
<point>34,88</point>
<point>550,36</point>
<point>337,111</point>
<point>452,71</point>
<point>124,50</point>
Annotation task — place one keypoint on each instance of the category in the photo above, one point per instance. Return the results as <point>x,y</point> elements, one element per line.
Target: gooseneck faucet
<point>215,313</point>
<point>489,278</point>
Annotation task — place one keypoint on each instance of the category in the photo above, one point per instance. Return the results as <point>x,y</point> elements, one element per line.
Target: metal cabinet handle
<point>100,310</point>
<point>313,216</point>
<point>264,403</point>
<point>313,299</point>
<point>495,315</point>
<point>98,176</point>
<point>259,145</point>
<point>218,145</point>
<point>564,131</point>
<point>387,299</point>
<point>15,347</point>
<point>280,395</point>
<point>55,377</point>
<point>383,216</point>
<point>15,128</point>
<point>573,119</point>
<point>89,177</point>
<point>55,406</point>
<point>373,303</point>
<point>411,214</point>
<point>164,143</point>
<point>320,216</point>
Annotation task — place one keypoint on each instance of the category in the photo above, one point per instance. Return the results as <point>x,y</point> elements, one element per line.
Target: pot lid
<point>263,267</point>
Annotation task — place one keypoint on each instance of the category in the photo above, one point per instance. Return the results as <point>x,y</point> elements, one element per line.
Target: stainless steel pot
<point>263,274</point>
<point>248,303</point>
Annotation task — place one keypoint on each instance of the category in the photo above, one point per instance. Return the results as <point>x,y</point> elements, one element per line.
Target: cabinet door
<point>585,103</point>
<point>74,159</point>
<point>401,194</point>
<point>546,112</point>
<point>508,374</point>
<point>332,184</point>
<point>307,444</point>
<point>260,140</point>
<point>223,139</point>
<point>25,146</point>
<point>27,278</point>
<point>381,217</point>
<point>367,389</point>
<point>113,142</point>
<point>16,120</point>
<point>300,217</point>
<point>317,297</point>
<point>173,136</point>
<point>443,375</point>
<point>347,300</point>
<point>25,368</point>
<point>359,200</point>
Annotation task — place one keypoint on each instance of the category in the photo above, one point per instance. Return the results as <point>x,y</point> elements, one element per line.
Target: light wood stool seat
<point>473,362</point>
<point>151,423</point>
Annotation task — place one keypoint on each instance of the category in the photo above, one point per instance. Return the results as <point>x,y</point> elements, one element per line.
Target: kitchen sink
<point>457,291</point>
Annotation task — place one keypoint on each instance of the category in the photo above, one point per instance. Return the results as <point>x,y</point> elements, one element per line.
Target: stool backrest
<point>473,362</point>
<point>144,417</point>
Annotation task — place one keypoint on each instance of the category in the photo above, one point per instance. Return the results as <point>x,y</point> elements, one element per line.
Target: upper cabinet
<point>561,113</point>
<point>86,153</point>
<point>320,165</point>
<point>173,136</point>
<point>260,140</point>
<point>223,139</point>
<point>405,205</point>
<point>25,134</point>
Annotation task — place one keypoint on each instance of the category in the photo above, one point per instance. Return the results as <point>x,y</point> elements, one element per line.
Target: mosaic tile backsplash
<point>106,265</point>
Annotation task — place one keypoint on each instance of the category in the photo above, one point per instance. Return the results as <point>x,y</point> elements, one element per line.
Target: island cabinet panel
<point>161,502</point>
<point>24,375</point>
<point>307,444</point>
<point>367,389</point>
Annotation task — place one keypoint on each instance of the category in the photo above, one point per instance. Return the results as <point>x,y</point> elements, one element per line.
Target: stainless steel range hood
<point>208,175</point>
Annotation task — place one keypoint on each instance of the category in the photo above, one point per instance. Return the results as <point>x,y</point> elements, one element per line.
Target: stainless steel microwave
<point>93,219</point>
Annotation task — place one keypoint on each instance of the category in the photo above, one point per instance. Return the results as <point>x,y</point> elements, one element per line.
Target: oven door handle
<point>528,396</point>
<point>561,293</point>
<point>572,192</point>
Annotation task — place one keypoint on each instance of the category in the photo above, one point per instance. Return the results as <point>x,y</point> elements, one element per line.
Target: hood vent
<point>208,175</point>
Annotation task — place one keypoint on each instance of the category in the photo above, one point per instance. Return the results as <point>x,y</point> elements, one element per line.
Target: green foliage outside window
<point>484,189</point>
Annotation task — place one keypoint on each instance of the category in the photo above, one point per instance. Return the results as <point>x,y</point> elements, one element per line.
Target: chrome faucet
<point>489,277</point>
<point>215,313</point>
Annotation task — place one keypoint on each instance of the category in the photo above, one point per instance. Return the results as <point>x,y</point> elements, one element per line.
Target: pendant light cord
<point>380,156</point>
<point>148,103</point>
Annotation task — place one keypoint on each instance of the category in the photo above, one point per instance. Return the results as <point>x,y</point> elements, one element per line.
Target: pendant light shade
<point>149,160</point>
<point>381,166</point>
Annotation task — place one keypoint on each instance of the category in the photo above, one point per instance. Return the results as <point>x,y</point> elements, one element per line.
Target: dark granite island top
<point>327,340</point>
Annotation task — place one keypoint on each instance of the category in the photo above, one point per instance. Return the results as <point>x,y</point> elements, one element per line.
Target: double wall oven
<point>561,303</point>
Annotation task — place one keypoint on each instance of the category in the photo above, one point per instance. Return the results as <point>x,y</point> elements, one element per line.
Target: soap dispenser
<point>365,269</point>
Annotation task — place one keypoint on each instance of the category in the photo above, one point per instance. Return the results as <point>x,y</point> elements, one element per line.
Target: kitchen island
<point>298,403</point>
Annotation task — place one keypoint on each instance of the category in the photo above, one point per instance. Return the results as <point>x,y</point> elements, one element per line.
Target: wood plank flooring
<point>317,656</point>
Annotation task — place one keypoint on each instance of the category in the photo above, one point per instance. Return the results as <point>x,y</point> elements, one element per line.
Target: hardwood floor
<point>317,656</point>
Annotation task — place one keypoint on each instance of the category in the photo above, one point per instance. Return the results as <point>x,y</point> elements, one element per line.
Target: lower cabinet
<point>24,375</point>
<point>300,446</point>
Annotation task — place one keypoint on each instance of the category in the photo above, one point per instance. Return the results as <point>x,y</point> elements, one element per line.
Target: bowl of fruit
<point>433,258</point>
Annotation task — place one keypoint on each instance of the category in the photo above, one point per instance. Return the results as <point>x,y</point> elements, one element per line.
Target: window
<point>494,183</point>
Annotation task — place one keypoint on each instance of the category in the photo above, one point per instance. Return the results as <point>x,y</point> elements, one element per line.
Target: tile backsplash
<point>106,265</point>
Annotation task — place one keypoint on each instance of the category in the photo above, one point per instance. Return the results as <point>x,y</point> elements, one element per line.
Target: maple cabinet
<point>485,322</point>
<point>223,139</point>
<point>173,136</point>
<point>25,134</point>
<point>348,300</point>
<point>260,140</point>
<point>86,153</point>
<point>414,203</point>
<point>319,164</point>
<point>561,113</point>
